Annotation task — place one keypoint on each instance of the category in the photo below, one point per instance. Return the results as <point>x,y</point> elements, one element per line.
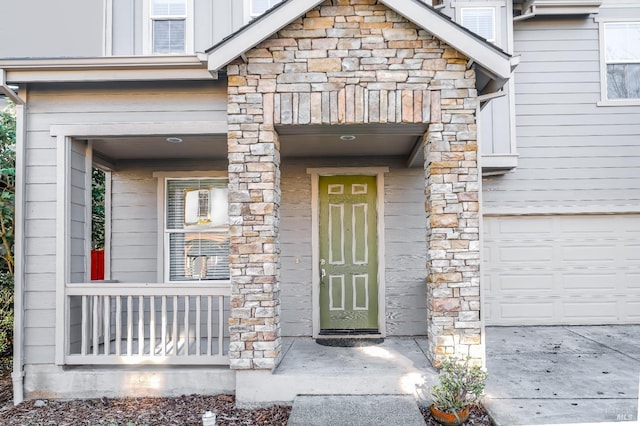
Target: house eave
<point>257,31</point>
<point>491,58</point>
<point>482,52</point>
<point>119,68</point>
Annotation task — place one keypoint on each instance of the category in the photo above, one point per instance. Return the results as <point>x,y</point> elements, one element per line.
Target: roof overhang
<point>119,68</point>
<point>492,62</point>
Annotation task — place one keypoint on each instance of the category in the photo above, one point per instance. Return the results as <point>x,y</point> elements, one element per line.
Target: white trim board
<point>315,173</point>
<point>560,210</point>
<point>63,144</point>
<point>139,129</point>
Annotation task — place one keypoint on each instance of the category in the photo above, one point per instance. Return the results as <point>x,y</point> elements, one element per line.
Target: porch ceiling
<point>295,141</point>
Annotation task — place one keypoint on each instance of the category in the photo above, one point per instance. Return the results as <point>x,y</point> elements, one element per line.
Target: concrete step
<point>352,410</point>
<point>395,367</point>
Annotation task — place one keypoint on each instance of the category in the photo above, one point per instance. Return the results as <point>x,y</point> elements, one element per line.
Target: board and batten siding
<point>405,251</point>
<point>212,21</point>
<point>46,29</point>
<point>54,104</point>
<point>549,257</point>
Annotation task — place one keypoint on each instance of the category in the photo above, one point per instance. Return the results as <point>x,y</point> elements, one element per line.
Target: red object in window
<point>97,264</point>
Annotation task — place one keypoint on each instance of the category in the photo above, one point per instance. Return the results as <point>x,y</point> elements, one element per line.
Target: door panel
<point>348,253</point>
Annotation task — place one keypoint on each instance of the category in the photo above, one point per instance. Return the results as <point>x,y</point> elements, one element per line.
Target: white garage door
<point>562,270</point>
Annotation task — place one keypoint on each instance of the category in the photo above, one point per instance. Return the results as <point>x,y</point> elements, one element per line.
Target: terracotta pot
<point>449,419</point>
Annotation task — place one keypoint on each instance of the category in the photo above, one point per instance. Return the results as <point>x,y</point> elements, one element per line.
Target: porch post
<point>254,203</point>
<point>453,239</point>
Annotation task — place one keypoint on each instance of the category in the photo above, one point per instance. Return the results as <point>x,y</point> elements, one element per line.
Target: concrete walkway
<point>555,375</point>
<point>537,376</point>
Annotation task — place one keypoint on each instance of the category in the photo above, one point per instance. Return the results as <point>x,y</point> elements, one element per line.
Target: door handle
<point>323,272</point>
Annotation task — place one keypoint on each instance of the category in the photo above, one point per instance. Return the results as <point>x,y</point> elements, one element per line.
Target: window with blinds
<point>197,229</point>
<point>480,20</point>
<point>258,7</point>
<point>168,26</point>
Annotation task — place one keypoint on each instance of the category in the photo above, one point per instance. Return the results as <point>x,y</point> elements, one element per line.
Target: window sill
<point>202,283</point>
<point>494,164</point>
<point>617,103</point>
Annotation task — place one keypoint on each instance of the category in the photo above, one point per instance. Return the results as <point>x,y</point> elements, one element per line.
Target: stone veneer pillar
<point>254,204</point>
<point>352,62</point>
<point>453,235</point>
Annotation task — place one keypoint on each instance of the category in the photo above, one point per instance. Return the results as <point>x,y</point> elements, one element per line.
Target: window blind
<point>168,7</point>
<point>480,20</point>
<point>169,36</point>
<point>197,226</point>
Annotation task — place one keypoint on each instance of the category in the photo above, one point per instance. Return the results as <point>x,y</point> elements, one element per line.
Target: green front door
<point>348,254</point>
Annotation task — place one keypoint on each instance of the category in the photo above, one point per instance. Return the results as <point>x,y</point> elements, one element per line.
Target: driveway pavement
<point>556,375</point>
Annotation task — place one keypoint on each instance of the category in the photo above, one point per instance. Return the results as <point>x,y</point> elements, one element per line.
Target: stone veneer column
<point>254,204</point>
<point>353,62</point>
<point>453,239</point>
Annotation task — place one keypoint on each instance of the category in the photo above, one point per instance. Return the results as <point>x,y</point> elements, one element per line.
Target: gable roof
<point>495,63</point>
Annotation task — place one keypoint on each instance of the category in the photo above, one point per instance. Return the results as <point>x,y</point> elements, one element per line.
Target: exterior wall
<point>36,28</point>
<point>573,153</point>
<point>134,225</point>
<point>561,262</point>
<point>213,20</point>
<point>496,117</point>
<point>405,250</point>
<point>351,61</point>
<point>83,104</point>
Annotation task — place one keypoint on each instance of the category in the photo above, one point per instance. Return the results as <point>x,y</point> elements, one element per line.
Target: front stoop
<point>394,367</point>
<point>365,410</point>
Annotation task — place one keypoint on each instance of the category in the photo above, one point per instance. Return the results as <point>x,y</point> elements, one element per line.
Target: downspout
<point>17,375</point>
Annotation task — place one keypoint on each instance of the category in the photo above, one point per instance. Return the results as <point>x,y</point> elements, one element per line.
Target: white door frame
<point>315,173</point>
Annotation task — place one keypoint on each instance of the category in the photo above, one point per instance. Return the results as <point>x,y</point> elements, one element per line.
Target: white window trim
<point>163,240</point>
<point>497,16</point>
<point>604,101</point>
<point>147,30</point>
<point>108,28</point>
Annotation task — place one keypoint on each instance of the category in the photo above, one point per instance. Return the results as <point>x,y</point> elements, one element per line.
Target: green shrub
<point>6,315</point>
<point>461,384</point>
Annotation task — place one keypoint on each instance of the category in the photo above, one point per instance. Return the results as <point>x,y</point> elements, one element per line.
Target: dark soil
<point>477,417</point>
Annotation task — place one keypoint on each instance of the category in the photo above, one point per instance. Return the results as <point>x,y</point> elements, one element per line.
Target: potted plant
<point>461,385</point>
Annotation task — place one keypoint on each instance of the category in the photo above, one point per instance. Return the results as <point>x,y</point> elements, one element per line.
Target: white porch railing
<point>115,323</point>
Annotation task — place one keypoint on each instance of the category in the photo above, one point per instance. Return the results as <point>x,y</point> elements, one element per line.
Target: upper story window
<point>480,20</point>
<point>622,60</point>
<point>258,7</point>
<point>196,231</point>
<point>169,28</point>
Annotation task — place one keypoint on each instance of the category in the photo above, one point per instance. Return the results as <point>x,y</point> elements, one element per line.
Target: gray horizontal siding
<point>572,151</point>
<point>135,206</point>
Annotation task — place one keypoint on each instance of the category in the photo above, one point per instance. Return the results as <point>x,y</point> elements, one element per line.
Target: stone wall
<point>352,62</point>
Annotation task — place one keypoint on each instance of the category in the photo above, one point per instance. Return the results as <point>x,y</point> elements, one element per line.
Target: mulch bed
<point>183,410</point>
